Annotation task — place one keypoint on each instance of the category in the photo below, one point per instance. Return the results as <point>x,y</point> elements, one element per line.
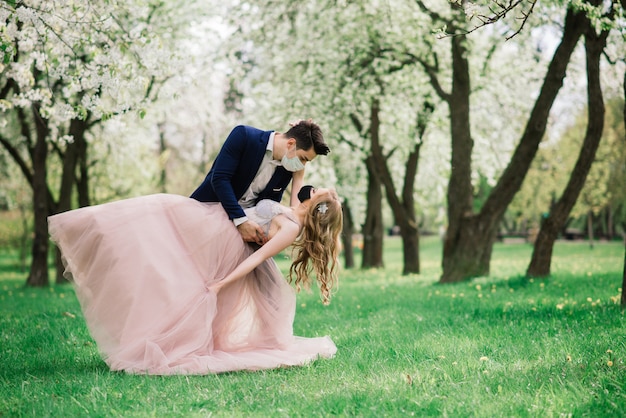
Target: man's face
<point>304,156</point>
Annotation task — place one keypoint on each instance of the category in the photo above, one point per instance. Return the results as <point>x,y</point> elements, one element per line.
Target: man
<point>254,165</point>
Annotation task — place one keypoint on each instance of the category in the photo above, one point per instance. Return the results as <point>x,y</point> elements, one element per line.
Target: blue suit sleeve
<point>224,167</point>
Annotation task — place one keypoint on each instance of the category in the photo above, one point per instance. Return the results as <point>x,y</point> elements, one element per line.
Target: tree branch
<point>357,123</point>
<point>352,145</point>
<point>14,153</point>
<point>433,15</point>
<point>498,13</point>
<point>431,72</point>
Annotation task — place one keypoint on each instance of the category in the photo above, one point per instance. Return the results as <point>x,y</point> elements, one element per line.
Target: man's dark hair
<point>308,134</point>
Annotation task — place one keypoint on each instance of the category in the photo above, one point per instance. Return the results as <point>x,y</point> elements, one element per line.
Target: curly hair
<point>318,246</point>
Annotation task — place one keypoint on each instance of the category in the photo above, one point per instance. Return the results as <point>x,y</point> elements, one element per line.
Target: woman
<point>168,286</point>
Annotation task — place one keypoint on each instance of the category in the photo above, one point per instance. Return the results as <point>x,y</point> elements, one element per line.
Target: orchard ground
<point>494,346</point>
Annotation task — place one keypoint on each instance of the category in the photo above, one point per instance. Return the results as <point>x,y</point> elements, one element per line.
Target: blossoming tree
<point>65,68</point>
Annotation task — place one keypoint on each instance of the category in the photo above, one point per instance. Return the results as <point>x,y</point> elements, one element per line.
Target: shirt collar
<point>269,151</point>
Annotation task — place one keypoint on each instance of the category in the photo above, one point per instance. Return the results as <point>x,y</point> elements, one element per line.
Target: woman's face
<point>319,192</point>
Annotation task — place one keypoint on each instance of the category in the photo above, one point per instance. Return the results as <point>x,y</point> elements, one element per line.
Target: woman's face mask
<point>305,193</point>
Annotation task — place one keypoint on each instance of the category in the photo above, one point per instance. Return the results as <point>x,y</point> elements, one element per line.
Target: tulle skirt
<point>142,269</point>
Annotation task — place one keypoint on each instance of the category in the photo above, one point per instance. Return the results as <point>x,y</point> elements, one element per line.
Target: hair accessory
<point>322,208</point>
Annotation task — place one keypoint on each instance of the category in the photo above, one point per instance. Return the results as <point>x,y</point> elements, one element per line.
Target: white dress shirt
<point>263,175</point>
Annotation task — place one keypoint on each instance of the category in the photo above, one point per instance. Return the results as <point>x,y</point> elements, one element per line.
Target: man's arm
<point>224,168</point>
<point>297,182</point>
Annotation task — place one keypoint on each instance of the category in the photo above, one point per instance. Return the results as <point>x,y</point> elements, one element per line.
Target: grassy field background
<point>498,346</point>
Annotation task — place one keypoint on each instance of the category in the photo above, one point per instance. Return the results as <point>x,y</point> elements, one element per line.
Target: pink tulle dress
<point>142,268</point>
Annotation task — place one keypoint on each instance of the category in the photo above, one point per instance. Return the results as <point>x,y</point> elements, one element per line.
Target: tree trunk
<point>82,182</point>
<point>459,196</point>
<point>373,229</point>
<point>68,180</point>
<point>473,250</point>
<point>469,239</point>
<point>542,252</point>
<point>35,174</point>
<point>411,246</point>
<point>590,228</point>
<point>38,275</point>
<point>403,208</point>
<point>610,225</point>
<point>163,153</point>
<point>346,236</point>
<point>623,298</point>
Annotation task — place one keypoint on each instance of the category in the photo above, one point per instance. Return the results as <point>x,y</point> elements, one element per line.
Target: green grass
<point>498,346</point>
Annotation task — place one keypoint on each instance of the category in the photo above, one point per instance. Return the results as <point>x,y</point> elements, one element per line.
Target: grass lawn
<point>498,346</point>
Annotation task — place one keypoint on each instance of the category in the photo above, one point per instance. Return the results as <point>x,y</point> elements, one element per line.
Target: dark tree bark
<point>373,228</point>
<point>163,162</point>
<point>346,236</point>
<point>37,180</point>
<point>82,182</point>
<point>470,237</point>
<point>542,253</point>
<point>70,161</point>
<point>456,261</point>
<point>403,207</point>
<point>623,298</point>
<point>404,211</point>
<point>590,236</point>
<point>610,226</point>
<point>38,275</point>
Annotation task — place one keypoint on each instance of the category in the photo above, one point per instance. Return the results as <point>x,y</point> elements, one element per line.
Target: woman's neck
<point>300,211</point>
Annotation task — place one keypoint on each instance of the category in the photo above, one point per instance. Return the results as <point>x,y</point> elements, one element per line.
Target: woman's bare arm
<point>284,237</point>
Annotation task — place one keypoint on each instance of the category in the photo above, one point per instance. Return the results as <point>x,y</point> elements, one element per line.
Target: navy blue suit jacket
<point>234,169</point>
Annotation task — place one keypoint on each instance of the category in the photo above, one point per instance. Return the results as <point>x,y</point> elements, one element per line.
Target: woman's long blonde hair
<point>319,243</point>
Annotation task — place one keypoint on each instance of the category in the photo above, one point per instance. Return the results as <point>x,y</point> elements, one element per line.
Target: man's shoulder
<point>249,133</point>
<point>250,130</point>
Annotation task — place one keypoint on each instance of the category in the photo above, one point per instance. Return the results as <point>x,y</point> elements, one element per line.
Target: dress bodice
<point>266,210</point>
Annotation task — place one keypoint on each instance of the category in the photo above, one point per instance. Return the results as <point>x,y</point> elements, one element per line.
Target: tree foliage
<point>65,69</point>
<point>85,86</point>
<point>605,185</point>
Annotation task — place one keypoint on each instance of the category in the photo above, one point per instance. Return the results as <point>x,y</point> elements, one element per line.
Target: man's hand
<point>251,232</point>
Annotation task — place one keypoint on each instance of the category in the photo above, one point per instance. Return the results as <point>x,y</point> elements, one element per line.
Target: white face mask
<point>292,164</point>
